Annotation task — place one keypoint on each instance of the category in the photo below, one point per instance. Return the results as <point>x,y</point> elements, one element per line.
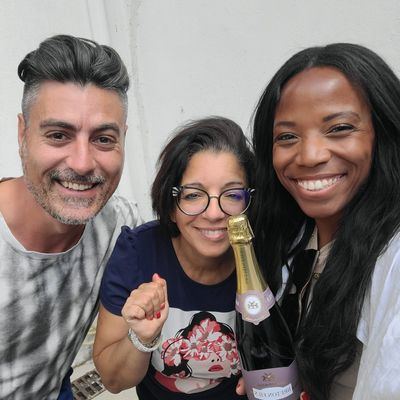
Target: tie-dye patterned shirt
<point>48,302</point>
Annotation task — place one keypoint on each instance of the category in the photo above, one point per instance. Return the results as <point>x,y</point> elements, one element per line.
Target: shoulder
<point>136,256</point>
<point>379,328</point>
<point>106,226</point>
<point>384,286</point>
<point>141,241</point>
<point>144,232</point>
<point>383,296</point>
<point>121,210</point>
<point>391,253</point>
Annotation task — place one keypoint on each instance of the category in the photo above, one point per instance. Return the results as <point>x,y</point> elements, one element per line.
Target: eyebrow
<point>341,114</point>
<point>227,185</point>
<point>108,126</point>
<point>288,124</point>
<point>330,117</point>
<point>48,123</point>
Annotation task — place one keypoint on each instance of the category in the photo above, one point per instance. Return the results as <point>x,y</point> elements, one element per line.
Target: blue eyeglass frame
<point>176,190</point>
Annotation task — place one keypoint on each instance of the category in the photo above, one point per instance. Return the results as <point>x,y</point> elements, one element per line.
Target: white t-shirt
<point>379,330</point>
<point>378,375</point>
<point>48,302</point>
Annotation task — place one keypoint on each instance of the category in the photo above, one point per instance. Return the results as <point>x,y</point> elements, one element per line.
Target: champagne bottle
<point>263,339</point>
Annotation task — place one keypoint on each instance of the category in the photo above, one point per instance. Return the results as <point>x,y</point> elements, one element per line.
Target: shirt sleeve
<point>122,273</point>
<point>379,330</point>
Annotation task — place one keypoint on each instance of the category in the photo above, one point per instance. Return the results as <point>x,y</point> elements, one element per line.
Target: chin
<point>73,218</point>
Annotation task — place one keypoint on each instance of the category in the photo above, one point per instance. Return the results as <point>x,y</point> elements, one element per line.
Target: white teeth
<point>75,186</point>
<point>212,233</point>
<point>318,184</point>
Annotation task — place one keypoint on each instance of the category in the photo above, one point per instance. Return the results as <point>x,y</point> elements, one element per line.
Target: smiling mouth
<point>80,187</point>
<point>213,233</point>
<point>318,184</point>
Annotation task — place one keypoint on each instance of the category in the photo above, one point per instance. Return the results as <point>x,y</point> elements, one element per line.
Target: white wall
<point>187,58</point>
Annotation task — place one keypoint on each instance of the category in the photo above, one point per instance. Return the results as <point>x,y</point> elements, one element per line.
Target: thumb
<point>157,278</point>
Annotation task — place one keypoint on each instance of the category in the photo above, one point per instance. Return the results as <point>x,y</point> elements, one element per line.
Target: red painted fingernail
<point>162,306</point>
<point>304,396</point>
<point>158,315</point>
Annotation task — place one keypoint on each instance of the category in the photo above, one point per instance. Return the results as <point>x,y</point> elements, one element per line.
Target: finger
<point>149,296</point>
<point>132,312</point>
<point>159,297</point>
<point>157,285</point>
<point>304,396</point>
<point>240,388</point>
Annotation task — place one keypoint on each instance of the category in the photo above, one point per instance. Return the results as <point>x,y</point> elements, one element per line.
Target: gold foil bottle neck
<point>239,229</point>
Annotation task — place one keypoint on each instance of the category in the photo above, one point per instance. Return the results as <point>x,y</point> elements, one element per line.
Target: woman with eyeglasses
<point>168,293</point>
<point>327,143</point>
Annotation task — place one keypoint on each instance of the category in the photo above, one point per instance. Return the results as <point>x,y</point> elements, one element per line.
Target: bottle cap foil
<point>239,229</point>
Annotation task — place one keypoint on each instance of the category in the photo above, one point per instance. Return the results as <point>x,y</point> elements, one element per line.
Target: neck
<point>326,231</point>
<point>204,270</point>
<point>30,224</point>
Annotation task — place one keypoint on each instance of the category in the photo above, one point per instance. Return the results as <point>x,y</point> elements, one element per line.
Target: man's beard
<point>48,201</point>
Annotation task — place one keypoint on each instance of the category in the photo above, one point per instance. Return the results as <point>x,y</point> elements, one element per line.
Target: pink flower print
<point>228,348</point>
<point>172,351</point>
<point>204,351</point>
<point>228,351</point>
<point>207,331</point>
<point>235,367</point>
<point>200,351</point>
<point>193,347</point>
<point>201,339</point>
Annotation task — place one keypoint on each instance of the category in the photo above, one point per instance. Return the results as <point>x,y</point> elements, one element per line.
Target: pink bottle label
<point>275,383</point>
<point>254,306</point>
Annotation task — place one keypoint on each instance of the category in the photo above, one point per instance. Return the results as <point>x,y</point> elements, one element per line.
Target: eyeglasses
<point>194,201</point>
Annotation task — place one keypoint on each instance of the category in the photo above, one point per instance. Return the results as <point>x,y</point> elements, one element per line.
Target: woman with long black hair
<point>327,142</point>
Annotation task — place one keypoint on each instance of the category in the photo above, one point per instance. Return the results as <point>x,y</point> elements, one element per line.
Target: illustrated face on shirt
<point>214,363</point>
<point>200,354</point>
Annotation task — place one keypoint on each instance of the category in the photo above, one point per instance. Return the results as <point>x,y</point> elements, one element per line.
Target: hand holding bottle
<point>146,309</point>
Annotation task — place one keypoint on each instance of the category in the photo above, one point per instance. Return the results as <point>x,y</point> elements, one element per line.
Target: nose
<point>213,211</point>
<point>313,151</point>
<point>81,158</point>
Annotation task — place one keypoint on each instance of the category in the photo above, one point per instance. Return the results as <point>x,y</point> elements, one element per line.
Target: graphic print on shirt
<point>199,355</point>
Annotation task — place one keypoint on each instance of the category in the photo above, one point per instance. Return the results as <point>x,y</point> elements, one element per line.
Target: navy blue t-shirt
<point>198,358</point>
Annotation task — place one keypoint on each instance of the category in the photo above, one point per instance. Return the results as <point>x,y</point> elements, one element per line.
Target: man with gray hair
<point>59,221</point>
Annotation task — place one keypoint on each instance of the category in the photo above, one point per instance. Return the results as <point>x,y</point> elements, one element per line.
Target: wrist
<point>141,346</point>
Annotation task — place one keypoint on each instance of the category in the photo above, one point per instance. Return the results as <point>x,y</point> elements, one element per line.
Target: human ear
<point>21,130</point>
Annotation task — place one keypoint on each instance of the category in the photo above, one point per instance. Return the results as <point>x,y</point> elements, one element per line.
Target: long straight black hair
<point>327,341</point>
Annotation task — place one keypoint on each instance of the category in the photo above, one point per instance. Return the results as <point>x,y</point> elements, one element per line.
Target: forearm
<point>121,365</point>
